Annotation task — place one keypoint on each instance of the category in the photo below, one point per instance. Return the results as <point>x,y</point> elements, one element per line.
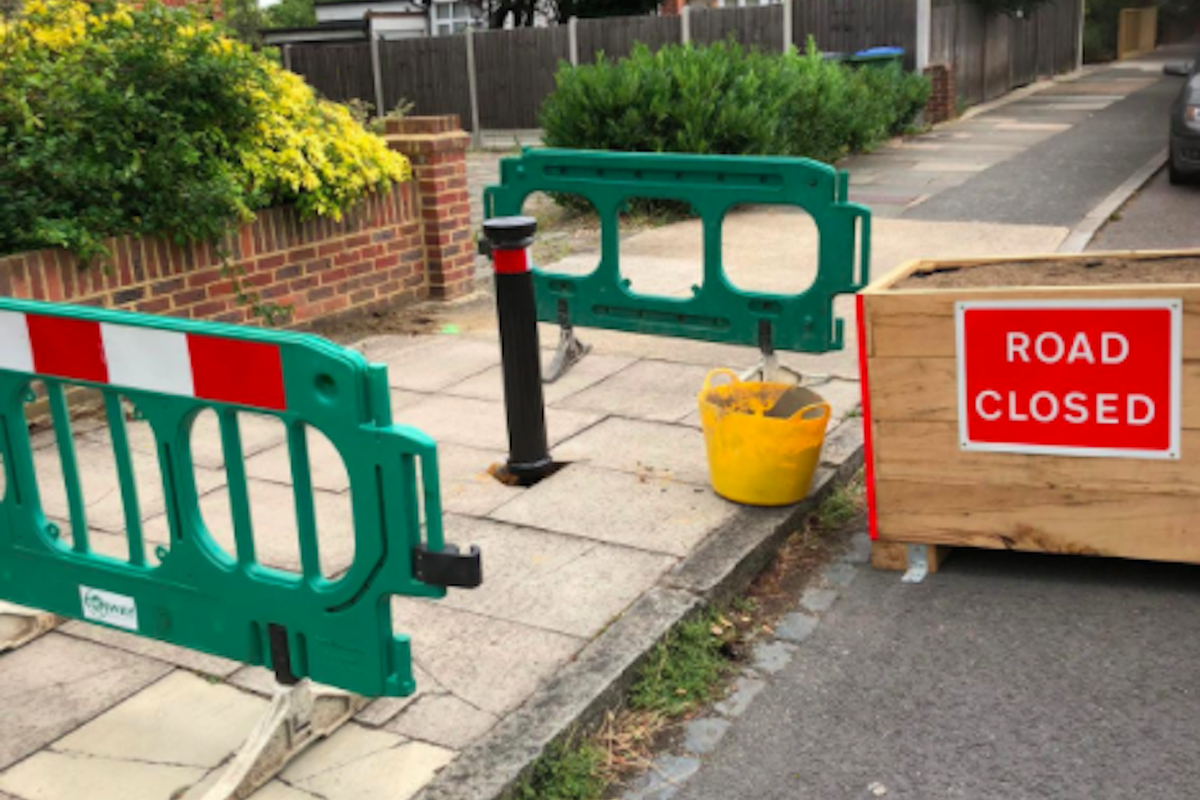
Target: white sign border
<point>1173,452</point>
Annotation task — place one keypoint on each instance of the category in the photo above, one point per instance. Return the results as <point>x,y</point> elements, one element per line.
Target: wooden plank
<point>926,389</point>
<point>516,73</point>
<point>894,556</point>
<point>928,452</point>
<point>1051,520</point>
<point>923,325</point>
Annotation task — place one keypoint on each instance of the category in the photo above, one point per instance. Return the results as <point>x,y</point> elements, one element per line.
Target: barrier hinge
<point>448,566</point>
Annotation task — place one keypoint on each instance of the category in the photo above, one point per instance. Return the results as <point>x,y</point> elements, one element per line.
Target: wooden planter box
<point>928,486</point>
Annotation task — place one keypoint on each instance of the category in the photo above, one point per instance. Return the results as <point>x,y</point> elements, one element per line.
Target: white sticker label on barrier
<point>108,608</point>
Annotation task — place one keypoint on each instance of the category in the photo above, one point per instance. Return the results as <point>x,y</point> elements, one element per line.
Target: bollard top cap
<point>505,232</point>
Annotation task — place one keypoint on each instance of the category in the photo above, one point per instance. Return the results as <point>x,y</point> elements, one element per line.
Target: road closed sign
<point>1076,378</point>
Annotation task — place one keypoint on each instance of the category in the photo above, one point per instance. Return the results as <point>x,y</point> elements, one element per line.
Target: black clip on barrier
<point>528,452</point>
<point>448,567</point>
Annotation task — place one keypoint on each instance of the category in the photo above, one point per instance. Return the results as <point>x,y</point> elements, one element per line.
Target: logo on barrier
<point>111,609</point>
<point>1075,378</point>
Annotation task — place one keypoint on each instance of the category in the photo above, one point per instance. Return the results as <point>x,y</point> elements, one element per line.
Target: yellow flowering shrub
<point>116,119</point>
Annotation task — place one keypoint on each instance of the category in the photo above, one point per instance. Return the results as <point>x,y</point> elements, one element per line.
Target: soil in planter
<point>1068,272</point>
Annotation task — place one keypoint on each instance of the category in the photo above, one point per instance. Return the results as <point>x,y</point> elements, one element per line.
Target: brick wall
<point>395,247</point>
<point>943,99</point>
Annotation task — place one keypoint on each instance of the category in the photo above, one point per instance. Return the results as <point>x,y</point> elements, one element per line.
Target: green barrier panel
<point>335,629</point>
<point>713,186</point>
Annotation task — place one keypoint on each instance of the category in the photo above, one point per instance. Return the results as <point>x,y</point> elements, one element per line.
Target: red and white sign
<point>1070,377</point>
<point>185,364</point>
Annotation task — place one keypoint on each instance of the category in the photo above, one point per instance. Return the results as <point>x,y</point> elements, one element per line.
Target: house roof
<point>362,2</point>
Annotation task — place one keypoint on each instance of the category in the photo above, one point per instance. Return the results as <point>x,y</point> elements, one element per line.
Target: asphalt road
<point>1004,677</point>
<point>1159,217</point>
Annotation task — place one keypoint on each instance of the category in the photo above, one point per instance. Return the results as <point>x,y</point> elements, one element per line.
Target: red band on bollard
<point>511,262</point>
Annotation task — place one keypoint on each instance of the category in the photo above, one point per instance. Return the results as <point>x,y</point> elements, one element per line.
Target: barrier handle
<point>721,371</point>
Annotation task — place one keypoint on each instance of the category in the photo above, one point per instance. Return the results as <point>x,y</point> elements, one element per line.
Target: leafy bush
<point>725,99</point>
<point>115,119</point>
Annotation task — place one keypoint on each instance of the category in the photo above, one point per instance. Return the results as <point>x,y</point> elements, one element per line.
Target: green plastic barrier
<point>336,629</point>
<point>713,186</point>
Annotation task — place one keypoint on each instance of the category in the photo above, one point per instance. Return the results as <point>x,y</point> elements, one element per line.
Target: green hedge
<point>726,99</point>
<point>151,120</point>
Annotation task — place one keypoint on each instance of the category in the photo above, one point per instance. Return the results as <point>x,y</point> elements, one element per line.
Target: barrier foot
<point>569,353</point>
<point>19,625</point>
<point>299,715</point>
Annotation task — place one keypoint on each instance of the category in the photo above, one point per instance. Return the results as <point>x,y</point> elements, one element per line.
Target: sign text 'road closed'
<point>1070,377</point>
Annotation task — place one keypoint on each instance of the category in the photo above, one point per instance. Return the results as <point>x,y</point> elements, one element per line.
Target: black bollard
<point>528,452</point>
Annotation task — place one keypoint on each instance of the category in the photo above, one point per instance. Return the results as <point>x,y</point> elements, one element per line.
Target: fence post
<point>287,57</point>
<point>473,91</point>
<point>1080,19</point>
<point>924,33</point>
<point>376,74</point>
<point>685,24</point>
<point>573,40</point>
<point>787,24</point>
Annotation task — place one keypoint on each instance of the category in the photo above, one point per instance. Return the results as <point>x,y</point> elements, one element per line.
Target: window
<point>451,17</point>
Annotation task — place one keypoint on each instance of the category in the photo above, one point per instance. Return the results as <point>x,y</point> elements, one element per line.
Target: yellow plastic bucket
<point>756,457</point>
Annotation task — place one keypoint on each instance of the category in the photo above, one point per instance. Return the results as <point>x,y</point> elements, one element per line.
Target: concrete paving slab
<point>437,362</point>
<point>192,660</point>
<point>357,763</point>
<point>469,653</point>
<point>642,448</point>
<point>482,423</point>
<point>638,511</point>
<point>258,432</point>
<point>59,776</point>
<point>489,384</point>
<point>709,355</point>
<point>383,710</point>
<point>660,391</point>
<point>325,464</point>
<point>467,486</point>
<point>548,579</point>
<point>443,720</point>
<point>273,516</point>
<point>102,488</point>
<point>182,720</point>
<point>55,683</point>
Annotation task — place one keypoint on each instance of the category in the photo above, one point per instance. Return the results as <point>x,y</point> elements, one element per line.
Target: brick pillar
<point>670,8</point>
<point>943,99</point>
<point>437,147</point>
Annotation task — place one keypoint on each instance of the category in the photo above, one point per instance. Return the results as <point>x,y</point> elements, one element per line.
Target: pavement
<point>584,572</point>
<point>91,711</point>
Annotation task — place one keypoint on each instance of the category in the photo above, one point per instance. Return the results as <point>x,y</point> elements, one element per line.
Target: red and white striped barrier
<point>128,356</point>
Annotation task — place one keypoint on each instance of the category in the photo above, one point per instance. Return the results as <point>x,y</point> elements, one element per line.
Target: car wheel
<point>1178,177</point>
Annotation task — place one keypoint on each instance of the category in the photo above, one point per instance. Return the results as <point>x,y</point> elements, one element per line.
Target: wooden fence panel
<point>996,57</point>
<point>969,42</point>
<point>615,36</point>
<point>516,73</point>
<point>943,28</point>
<point>431,73</point>
<point>753,26</point>
<point>846,26</point>
<point>1047,42</point>
<point>341,72</point>
<point>1023,51</point>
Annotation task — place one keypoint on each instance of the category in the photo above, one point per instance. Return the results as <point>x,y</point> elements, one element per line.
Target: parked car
<point>1185,123</point>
